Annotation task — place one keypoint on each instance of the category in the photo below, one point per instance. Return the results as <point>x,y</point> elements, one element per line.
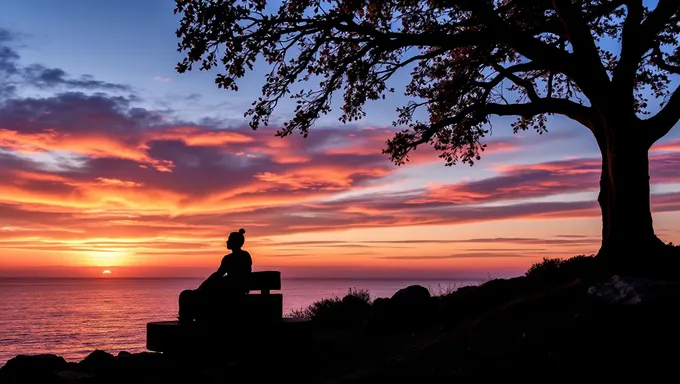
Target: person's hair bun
<point>242,231</point>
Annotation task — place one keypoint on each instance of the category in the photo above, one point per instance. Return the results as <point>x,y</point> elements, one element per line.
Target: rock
<point>411,294</point>
<point>380,312</point>
<point>633,291</point>
<point>98,362</point>
<point>411,298</point>
<point>31,369</point>
<point>466,289</point>
<point>380,303</point>
<point>123,354</point>
<point>408,308</point>
<point>412,306</point>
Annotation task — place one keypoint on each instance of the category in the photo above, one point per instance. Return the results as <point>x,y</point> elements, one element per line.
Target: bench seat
<point>265,281</point>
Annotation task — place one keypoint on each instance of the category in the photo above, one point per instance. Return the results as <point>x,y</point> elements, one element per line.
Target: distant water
<point>72,317</point>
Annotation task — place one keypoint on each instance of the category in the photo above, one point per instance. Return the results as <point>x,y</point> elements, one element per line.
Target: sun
<point>106,272</point>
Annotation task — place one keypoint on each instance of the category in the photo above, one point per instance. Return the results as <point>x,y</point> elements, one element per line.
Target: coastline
<point>71,317</point>
<point>563,316</point>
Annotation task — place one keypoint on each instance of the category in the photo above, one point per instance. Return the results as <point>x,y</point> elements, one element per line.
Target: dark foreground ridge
<point>568,320</point>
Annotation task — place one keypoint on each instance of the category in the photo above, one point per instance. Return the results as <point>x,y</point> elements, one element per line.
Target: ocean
<point>73,317</point>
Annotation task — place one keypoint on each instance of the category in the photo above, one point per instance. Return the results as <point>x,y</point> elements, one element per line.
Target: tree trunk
<point>627,229</point>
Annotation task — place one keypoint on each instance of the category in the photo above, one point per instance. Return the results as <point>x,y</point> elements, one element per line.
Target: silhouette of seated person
<point>228,282</point>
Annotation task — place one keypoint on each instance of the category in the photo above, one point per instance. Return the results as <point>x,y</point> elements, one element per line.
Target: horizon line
<point>402,278</point>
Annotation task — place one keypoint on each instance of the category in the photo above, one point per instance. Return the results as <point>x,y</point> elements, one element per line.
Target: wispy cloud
<point>471,255</point>
<point>14,74</point>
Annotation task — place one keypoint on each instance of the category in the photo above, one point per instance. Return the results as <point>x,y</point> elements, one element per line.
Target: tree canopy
<point>591,60</point>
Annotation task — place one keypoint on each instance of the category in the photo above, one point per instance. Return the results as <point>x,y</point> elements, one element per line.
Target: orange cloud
<point>118,183</point>
<point>327,178</point>
<point>195,136</point>
<point>92,145</point>
<point>147,191</point>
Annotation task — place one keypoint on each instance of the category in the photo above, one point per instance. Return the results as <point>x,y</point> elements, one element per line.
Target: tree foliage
<point>591,60</point>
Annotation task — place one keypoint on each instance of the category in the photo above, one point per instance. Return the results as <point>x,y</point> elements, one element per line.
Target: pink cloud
<point>670,145</point>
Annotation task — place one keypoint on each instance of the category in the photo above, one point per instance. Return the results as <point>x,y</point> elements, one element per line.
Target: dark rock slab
<point>98,362</point>
<point>31,369</point>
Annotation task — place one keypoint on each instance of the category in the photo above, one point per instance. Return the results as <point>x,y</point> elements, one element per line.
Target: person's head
<point>236,239</point>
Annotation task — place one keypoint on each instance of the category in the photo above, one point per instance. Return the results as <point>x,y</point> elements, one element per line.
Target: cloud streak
<point>472,255</point>
<point>49,78</point>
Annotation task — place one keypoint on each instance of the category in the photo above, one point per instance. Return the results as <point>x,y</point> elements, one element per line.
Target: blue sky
<point>134,42</point>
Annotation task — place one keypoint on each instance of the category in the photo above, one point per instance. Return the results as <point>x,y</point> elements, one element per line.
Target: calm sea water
<point>72,317</point>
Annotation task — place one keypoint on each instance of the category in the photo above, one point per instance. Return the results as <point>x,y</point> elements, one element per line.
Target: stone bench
<point>258,309</point>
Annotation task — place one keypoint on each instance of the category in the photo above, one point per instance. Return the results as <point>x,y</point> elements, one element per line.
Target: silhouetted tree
<point>590,60</point>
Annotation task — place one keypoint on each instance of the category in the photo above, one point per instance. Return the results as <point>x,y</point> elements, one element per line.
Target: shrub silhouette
<point>361,294</point>
<point>545,268</point>
<point>352,310</point>
<point>559,271</point>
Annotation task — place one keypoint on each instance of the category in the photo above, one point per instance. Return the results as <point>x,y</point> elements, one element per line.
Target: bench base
<point>250,308</point>
<point>173,337</point>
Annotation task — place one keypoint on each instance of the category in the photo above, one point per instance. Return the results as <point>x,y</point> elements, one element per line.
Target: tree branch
<point>394,40</point>
<point>657,58</point>
<point>585,48</point>
<point>565,107</point>
<point>524,41</point>
<point>527,85</point>
<point>631,51</point>
<point>606,9</point>
<point>655,22</point>
<point>548,57</point>
<point>658,126</point>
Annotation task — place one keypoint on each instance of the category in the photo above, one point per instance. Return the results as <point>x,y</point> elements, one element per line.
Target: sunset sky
<point>111,160</point>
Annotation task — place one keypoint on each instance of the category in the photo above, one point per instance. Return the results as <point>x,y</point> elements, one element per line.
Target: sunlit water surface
<point>72,317</point>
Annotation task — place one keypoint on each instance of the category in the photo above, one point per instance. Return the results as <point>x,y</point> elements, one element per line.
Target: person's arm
<point>217,274</point>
